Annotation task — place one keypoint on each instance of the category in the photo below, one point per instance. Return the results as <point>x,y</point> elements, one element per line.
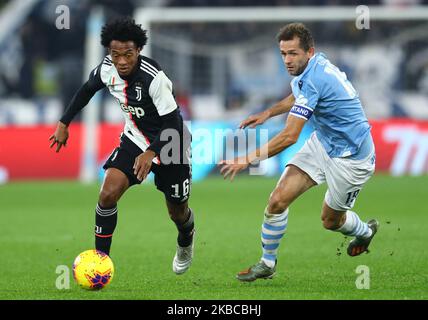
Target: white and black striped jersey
<point>145,98</point>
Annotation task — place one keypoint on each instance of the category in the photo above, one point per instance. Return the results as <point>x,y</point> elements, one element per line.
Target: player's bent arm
<point>284,139</point>
<point>79,101</point>
<point>282,106</point>
<point>83,95</point>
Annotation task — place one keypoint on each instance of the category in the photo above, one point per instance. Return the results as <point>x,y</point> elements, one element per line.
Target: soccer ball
<point>93,270</point>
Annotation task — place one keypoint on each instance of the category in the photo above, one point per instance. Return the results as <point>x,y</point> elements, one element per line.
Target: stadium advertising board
<point>401,148</point>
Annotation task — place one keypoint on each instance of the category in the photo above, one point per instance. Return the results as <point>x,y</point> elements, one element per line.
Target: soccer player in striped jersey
<point>144,94</point>
<point>340,152</point>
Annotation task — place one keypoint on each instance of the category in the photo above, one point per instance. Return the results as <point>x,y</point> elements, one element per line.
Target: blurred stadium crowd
<point>44,66</point>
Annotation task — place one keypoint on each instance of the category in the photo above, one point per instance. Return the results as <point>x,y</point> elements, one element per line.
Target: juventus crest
<point>138,90</point>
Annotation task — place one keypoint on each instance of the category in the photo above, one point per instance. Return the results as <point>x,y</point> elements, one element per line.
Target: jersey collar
<point>311,63</point>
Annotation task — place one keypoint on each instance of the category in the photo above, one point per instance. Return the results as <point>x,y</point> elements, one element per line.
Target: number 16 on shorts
<point>184,188</point>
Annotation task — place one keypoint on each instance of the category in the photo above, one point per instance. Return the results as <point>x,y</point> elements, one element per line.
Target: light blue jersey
<point>325,97</point>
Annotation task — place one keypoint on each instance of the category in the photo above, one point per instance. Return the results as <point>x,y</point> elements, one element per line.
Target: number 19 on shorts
<point>351,197</point>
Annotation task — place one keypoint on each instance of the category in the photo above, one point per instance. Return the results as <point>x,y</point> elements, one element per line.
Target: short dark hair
<point>299,30</point>
<point>123,29</point>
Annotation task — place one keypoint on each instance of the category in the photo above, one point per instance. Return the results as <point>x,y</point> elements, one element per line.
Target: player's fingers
<point>144,171</point>
<point>142,167</point>
<point>137,170</point>
<point>51,137</point>
<point>138,173</point>
<point>256,123</point>
<point>224,168</point>
<point>233,174</point>
<point>141,173</point>
<point>58,146</point>
<point>247,122</point>
<point>52,144</point>
<point>136,166</point>
<point>227,173</point>
<point>243,124</point>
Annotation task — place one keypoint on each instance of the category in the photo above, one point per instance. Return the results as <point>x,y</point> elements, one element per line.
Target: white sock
<point>273,229</point>
<point>353,226</point>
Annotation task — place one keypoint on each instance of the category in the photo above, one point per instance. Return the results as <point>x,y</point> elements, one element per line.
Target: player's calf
<point>105,224</point>
<point>114,185</point>
<point>333,222</point>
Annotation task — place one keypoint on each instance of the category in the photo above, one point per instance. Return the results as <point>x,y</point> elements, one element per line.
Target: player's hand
<point>143,163</point>
<point>60,136</point>
<point>255,120</point>
<point>232,167</point>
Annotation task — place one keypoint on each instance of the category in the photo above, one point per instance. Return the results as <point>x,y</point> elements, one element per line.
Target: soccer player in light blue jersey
<point>339,152</point>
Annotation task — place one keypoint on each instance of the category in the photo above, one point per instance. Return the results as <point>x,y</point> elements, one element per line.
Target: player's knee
<point>277,203</point>
<point>330,223</point>
<point>108,197</point>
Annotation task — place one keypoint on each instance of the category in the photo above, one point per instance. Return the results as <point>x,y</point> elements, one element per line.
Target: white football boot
<point>183,258</point>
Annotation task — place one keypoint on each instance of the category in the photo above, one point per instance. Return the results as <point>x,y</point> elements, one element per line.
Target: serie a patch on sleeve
<point>303,112</point>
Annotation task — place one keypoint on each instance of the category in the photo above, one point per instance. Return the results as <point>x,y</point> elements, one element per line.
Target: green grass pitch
<point>46,224</point>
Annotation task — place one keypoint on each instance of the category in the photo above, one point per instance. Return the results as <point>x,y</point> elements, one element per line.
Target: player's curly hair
<point>123,29</point>
<point>299,30</point>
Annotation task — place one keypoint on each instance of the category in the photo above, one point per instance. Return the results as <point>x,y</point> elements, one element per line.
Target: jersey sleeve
<point>305,102</point>
<point>160,91</point>
<point>83,95</point>
<point>94,82</point>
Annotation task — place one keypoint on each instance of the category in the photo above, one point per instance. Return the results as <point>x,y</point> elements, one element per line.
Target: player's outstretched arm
<point>287,137</point>
<point>79,101</point>
<point>281,107</point>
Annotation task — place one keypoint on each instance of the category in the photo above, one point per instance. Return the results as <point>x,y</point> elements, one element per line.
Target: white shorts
<point>345,177</point>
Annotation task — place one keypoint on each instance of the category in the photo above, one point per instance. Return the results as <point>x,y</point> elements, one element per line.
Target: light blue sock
<point>353,226</point>
<point>273,229</point>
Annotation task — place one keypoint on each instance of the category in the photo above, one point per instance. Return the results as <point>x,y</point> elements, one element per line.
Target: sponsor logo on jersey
<point>135,111</point>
